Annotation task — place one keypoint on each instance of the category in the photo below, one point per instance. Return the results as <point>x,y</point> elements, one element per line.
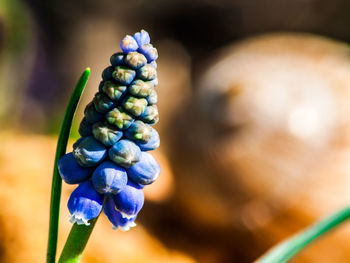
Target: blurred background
<point>255,124</point>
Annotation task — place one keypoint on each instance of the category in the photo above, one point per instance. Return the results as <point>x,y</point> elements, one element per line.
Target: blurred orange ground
<point>26,163</point>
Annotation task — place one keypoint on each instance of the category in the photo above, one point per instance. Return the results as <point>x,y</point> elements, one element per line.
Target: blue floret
<point>128,44</point>
<point>89,152</point>
<point>116,217</point>
<point>130,200</point>
<point>153,142</point>
<point>125,153</point>
<point>71,172</point>
<point>109,178</point>
<point>84,203</point>
<point>142,37</point>
<point>109,161</point>
<point>145,171</point>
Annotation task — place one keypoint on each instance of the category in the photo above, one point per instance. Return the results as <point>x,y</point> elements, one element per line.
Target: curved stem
<point>76,242</point>
<point>60,151</point>
<point>287,249</point>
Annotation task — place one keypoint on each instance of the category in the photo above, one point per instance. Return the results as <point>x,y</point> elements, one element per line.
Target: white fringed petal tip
<point>79,219</point>
<point>124,215</point>
<point>126,227</point>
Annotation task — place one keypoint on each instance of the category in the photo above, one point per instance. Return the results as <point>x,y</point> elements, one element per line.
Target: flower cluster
<point>110,161</point>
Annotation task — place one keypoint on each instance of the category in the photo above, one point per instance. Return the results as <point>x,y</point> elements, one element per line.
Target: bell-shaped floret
<point>125,153</point>
<point>128,44</point>
<point>139,132</point>
<point>71,172</point>
<point>89,152</point>
<point>145,171</point>
<point>142,37</point>
<point>130,200</point>
<point>109,178</point>
<point>84,204</point>
<point>106,133</point>
<point>116,217</point>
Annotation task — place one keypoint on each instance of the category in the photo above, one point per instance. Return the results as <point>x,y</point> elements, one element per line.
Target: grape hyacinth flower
<point>109,161</point>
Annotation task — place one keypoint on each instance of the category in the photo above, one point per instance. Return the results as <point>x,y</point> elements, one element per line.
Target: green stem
<point>60,151</point>
<point>287,249</point>
<point>76,242</point>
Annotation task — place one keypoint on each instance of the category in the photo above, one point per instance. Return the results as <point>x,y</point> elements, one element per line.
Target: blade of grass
<point>60,151</point>
<point>290,247</point>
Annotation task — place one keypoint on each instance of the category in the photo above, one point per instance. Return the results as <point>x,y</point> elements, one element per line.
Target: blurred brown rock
<point>261,150</point>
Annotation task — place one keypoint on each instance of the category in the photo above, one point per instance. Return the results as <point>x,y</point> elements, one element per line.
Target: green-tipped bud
<point>113,90</point>
<point>152,98</point>
<point>150,115</point>
<point>136,106</point>
<point>123,75</point>
<point>139,132</point>
<point>118,117</point>
<point>135,60</point>
<point>147,72</point>
<point>141,88</point>
<point>106,133</point>
<point>102,103</point>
